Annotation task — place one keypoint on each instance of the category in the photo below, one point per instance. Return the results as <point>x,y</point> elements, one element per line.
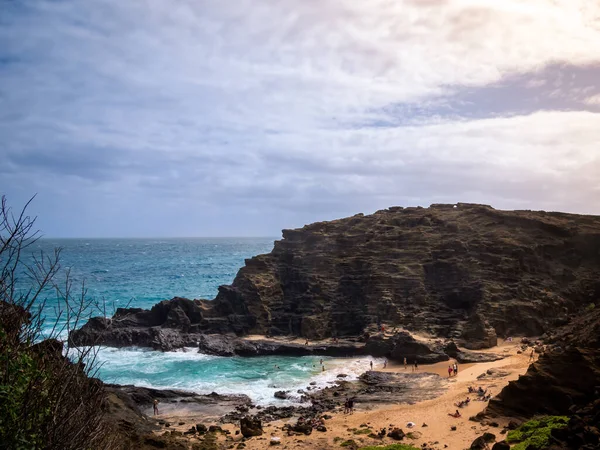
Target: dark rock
<point>201,428</point>
<point>281,394</point>
<point>155,442</point>
<point>251,426</point>
<point>453,428</point>
<point>481,443</point>
<point>502,445</point>
<point>512,425</point>
<point>303,427</point>
<point>215,429</point>
<point>559,380</point>
<point>457,273</point>
<point>396,434</point>
<point>321,428</point>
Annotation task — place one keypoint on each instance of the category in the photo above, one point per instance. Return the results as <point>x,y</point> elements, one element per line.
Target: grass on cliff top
<point>536,432</point>
<point>390,447</point>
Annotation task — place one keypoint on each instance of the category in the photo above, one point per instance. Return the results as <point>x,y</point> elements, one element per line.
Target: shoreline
<point>433,412</point>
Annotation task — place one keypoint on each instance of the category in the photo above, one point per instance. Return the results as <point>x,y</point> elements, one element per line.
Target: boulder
<point>396,434</point>
<point>250,426</point>
<point>502,445</point>
<point>481,443</point>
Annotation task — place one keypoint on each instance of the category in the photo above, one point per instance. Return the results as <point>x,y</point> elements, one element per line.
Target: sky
<point>157,118</point>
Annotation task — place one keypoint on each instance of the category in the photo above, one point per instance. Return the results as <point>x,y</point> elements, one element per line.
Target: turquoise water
<point>142,272</point>
<point>146,271</point>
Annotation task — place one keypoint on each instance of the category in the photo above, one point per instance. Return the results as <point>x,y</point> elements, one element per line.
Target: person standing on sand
<point>416,366</point>
<point>531,356</point>
<point>455,368</point>
<point>385,363</point>
<point>306,343</point>
<point>155,405</point>
<point>405,364</point>
<point>449,371</point>
<point>371,365</point>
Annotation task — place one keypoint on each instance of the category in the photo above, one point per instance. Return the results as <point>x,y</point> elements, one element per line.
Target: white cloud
<point>593,100</point>
<point>281,103</point>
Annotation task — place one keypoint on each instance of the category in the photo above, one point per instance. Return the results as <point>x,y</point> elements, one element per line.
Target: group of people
<point>452,369</point>
<point>482,394</point>
<point>415,365</point>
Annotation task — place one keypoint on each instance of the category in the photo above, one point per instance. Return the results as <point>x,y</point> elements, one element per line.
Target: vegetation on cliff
<point>535,432</point>
<point>47,399</point>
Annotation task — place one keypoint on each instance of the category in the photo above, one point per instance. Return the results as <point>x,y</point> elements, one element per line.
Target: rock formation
<point>466,272</point>
<point>564,379</point>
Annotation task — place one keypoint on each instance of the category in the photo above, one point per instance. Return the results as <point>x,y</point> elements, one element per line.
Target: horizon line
<point>160,237</point>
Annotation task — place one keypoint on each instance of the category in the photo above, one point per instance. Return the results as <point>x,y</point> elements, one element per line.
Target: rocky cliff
<point>565,381</point>
<point>466,272</point>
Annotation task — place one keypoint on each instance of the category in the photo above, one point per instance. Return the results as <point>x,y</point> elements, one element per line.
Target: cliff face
<point>466,271</point>
<point>564,381</point>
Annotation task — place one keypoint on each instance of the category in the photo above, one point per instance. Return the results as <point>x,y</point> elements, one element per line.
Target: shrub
<point>47,398</point>
<point>535,432</point>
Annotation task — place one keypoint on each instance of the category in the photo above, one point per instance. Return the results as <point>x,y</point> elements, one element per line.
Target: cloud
<point>246,117</point>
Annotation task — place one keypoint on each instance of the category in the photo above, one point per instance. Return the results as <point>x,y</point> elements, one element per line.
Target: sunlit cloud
<point>221,118</point>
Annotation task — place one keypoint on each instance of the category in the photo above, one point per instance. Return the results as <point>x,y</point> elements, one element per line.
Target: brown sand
<point>432,412</point>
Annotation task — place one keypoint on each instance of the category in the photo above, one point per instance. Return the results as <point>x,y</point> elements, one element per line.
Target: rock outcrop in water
<point>466,272</point>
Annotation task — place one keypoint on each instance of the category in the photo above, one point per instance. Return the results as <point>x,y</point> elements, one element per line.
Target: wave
<point>257,377</point>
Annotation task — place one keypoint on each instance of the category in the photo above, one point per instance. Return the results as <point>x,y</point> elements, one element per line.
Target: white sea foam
<point>256,377</point>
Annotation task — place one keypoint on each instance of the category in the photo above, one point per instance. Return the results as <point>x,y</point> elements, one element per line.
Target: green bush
<point>535,432</point>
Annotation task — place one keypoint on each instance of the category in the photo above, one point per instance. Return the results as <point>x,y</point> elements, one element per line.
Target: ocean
<point>142,272</point>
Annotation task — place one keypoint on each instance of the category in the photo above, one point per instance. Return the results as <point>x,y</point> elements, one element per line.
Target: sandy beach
<point>438,431</point>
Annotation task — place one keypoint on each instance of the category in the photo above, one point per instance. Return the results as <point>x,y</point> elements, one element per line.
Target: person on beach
<point>456,415</point>
<point>321,361</point>
<point>455,369</point>
<point>155,405</point>
<point>416,366</point>
<point>350,406</point>
<point>371,365</point>
<point>531,356</point>
<point>405,364</point>
<point>306,343</point>
<point>385,363</point>
<point>450,370</point>
<point>322,368</point>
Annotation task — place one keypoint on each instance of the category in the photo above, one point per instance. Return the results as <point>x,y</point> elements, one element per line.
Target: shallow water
<point>256,377</point>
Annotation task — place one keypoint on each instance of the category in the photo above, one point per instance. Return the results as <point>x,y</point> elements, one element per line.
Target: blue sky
<point>240,118</point>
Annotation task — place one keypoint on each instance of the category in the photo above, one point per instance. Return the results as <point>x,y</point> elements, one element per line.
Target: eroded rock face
<point>565,378</point>
<point>467,272</point>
